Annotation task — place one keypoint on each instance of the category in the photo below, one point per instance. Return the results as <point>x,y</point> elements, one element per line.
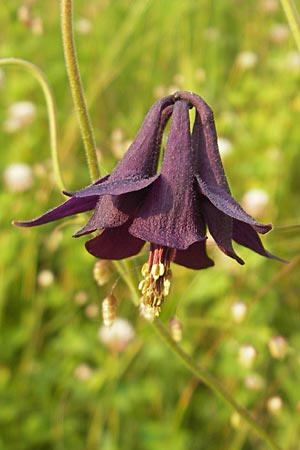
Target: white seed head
<point>92,311</point>
<point>278,347</point>
<point>255,201</point>
<point>45,278</point>
<point>279,33</point>
<point>247,356</point>
<point>18,177</point>
<point>83,25</point>
<point>254,382</point>
<point>239,310</point>
<point>83,372</point>
<point>275,405</point>
<point>81,298</point>
<point>293,61</point>
<point>225,146</point>
<point>247,59</point>
<point>118,336</point>
<point>20,114</point>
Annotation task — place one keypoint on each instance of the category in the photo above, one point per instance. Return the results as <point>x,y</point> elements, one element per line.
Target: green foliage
<point>60,387</point>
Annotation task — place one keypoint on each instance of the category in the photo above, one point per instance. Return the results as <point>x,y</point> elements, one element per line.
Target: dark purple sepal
<point>194,257</point>
<point>225,203</point>
<point>70,207</point>
<point>220,227</point>
<point>168,215</point>
<point>244,234</point>
<point>114,243</point>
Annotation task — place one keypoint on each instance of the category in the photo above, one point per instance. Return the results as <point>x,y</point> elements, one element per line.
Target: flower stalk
<point>77,88</point>
<point>51,109</point>
<point>293,19</point>
<point>212,383</point>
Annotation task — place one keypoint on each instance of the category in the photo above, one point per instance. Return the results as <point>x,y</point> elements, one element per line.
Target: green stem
<point>212,383</point>
<point>293,19</point>
<point>77,89</point>
<point>200,373</point>
<point>42,80</point>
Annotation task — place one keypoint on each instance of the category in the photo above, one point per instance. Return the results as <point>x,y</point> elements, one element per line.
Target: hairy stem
<point>293,19</point>
<point>52,116</point>
<point>77,89</point>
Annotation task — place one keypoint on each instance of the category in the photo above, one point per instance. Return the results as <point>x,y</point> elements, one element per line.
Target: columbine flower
<point>171,209</point>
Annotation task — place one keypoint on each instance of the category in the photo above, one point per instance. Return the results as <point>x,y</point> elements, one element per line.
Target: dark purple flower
<point>171,209</point>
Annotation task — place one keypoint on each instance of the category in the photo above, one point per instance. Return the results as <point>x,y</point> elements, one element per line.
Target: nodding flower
<point>172,208</point>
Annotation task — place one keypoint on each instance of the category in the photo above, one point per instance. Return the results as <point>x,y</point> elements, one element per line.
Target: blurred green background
<point>63,385</point>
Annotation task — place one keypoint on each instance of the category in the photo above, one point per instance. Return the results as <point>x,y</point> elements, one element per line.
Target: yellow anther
<point>157,270</point>
<point>145,269</point>
<point>167,285</point>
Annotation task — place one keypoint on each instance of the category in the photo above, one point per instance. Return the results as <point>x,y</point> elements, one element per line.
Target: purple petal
<point>141,158</point>
<point>220,227</point>
<point>168,215</point>
<point>113,211</point>
<point>244,235</point>
<point>194,257</point>
<point>70,207</point>
<point>225,203</point>
<point>114,243</point>
<point>205,130</point>
<point>117,187</point>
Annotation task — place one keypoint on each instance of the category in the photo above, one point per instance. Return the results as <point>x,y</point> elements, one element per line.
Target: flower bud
<point>109,309</point>
<point>176,329</point>
<point>102,272</point>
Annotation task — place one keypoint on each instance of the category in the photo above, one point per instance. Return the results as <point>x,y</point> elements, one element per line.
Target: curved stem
<point>212,383</point>
<point>41,78</point>
<point>293,19</point>
<point>200,373</point>
<point>77,89</point>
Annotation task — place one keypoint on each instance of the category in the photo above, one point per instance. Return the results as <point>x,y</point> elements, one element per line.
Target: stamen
<point>156,282</point>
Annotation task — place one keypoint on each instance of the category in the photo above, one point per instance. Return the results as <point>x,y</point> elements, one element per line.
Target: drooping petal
<point>70,207</point>
<point>117,187</point>
<point>245,235</point>
<point>220,227</point>
<point>225,203</point>
<point>114,243</point>
<point>205,140</point>
<point>168,216</point>
<point>141,158</point>
<point>113,211</point>
<point>194,257</point>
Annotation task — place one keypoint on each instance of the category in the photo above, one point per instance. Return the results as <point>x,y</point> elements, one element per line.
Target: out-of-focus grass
<point>61,388</point>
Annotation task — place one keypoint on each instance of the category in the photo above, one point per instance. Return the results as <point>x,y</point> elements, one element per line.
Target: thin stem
<point>52,116</point>
<point>200,373</point>
<point>77,89</point>
<point>293,19</point>
<point>212,383</point>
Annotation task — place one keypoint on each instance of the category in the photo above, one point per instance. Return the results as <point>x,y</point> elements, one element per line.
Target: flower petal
<point>194,257</point>
<point>70,207</point>
<point>244,235</point>
<point>225,203</point>
<point>112,211</point>
<point>220,227</point>
<point>114,243</point>
<point>117,187</point>
<point>168,216</point>
<point>205,140</point>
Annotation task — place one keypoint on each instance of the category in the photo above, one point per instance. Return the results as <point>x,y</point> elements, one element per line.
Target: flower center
<point>156,282</point>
